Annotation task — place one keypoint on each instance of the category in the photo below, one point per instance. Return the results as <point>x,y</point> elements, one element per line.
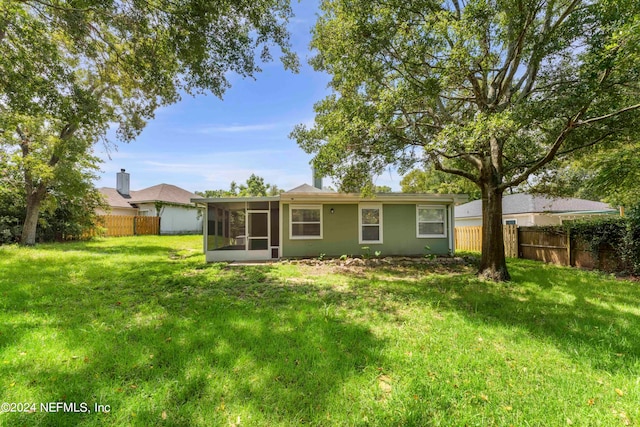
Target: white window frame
<point>291,208</point>
<point>515,221</point>
<point>444,223</point>
<point>362,206</point>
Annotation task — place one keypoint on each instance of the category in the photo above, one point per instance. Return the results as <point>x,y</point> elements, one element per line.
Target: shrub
<point>621,234</point>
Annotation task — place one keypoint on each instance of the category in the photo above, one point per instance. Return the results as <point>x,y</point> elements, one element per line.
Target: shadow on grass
<point>202,347</point>
<point>584,314</point>
<point>205,344</point>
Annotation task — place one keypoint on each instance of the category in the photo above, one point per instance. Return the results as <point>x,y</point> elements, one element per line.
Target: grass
<point>145,326</point>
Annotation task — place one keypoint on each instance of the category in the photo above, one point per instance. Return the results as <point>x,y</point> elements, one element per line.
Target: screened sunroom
<point>242,228</point>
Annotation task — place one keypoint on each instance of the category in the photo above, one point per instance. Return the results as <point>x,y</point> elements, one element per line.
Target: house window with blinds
<point>370,224</point>
<point>431,221</point>
<point>305,222</point>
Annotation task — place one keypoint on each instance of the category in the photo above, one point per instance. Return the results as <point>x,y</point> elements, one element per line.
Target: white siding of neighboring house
<point>176,219</point>
<point>468,222</point>
<point>522,220</point>
<point>544,219</point>
<point>525,220</point>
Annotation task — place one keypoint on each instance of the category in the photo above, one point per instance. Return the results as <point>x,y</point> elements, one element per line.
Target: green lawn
<point>144,326</point>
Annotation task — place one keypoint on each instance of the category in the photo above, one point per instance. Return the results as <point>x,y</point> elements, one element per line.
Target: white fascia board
<point>236,199</point>
<point>378,198</point>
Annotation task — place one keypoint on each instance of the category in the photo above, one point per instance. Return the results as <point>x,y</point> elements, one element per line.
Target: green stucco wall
<point>340,233</point>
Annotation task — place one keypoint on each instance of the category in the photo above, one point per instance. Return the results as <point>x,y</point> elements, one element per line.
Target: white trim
<point>379,225</point>
<point>280,229</point>
<point>249,237</point>
<point>238,255</point>
<point>401,198</point>
<point>205,231</point>
<point>296,206</point>
<point>452,229</point>
<point>427,236</point>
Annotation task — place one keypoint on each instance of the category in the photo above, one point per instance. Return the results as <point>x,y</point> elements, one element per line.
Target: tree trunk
<point>34,199</point>
<point>493,264</point>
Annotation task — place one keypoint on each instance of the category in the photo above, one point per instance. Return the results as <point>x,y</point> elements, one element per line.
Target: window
<point>370,224</point>
<point>511,222</point>
<point>305,222</point>
<point>431,221</point>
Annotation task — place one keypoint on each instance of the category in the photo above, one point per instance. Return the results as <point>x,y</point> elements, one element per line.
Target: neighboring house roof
<point>306,188</point>
<point>527,203</point>
<point>162,193</point>
<point>166,193</point>
<point>115,199</point>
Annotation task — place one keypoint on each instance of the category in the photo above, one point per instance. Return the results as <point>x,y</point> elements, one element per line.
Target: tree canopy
<point>71,70</point>
<point>433,181</point>
<point>488,90</point>
<point>609,174</point>
<point>254,186</point>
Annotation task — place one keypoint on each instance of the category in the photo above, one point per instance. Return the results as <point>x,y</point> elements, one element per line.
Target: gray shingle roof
<point>528,203</point>
<point>306,188</point>
<point>114,199</point>
<point>162,193</point>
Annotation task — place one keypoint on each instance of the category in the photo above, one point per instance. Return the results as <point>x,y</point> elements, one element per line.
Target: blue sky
<point>204,143</point>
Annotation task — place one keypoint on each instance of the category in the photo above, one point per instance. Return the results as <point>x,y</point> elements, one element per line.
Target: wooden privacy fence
<point>544,245</point>
<point>553,245</point>
<point>121,225</point>
<point>470,239</point>
<point>559,246</point>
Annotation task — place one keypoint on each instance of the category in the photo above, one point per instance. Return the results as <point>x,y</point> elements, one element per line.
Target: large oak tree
<point>488,90</point>
<point>71,69</point>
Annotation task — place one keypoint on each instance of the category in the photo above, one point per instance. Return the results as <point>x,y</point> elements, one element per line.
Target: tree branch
<point>544,160</point>
<point>568,151</point>
<point>438,166</point>
<point>57,7</point>
<point>607,116</point>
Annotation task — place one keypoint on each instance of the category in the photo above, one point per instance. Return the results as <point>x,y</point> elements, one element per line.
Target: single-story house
<point>178,215</point>
<point>532,210</point>
<point>309,221</point>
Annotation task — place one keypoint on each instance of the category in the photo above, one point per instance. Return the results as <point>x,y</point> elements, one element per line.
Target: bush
<point>61,218</point>
<point>632,240</point>
<point>621,234</point>
<point>9,229</point>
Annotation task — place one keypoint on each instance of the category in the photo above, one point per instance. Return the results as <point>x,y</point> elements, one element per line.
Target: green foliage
<point>567,179</point>
<point>490,91</point>
<point>428,254</point>
<point>69,199</point>
<point>255,186</point>
<point>609,173</point>
<point>322,256</point>
<point>621,234</point>
<point>343,257</point>
<point>366,252</point>
<point>433,181</point>
<point>377,254</point>
<point>383,189</point>
<point>70,71</point>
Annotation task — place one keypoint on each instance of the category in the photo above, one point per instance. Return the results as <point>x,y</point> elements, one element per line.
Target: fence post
<point>569,247</point>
